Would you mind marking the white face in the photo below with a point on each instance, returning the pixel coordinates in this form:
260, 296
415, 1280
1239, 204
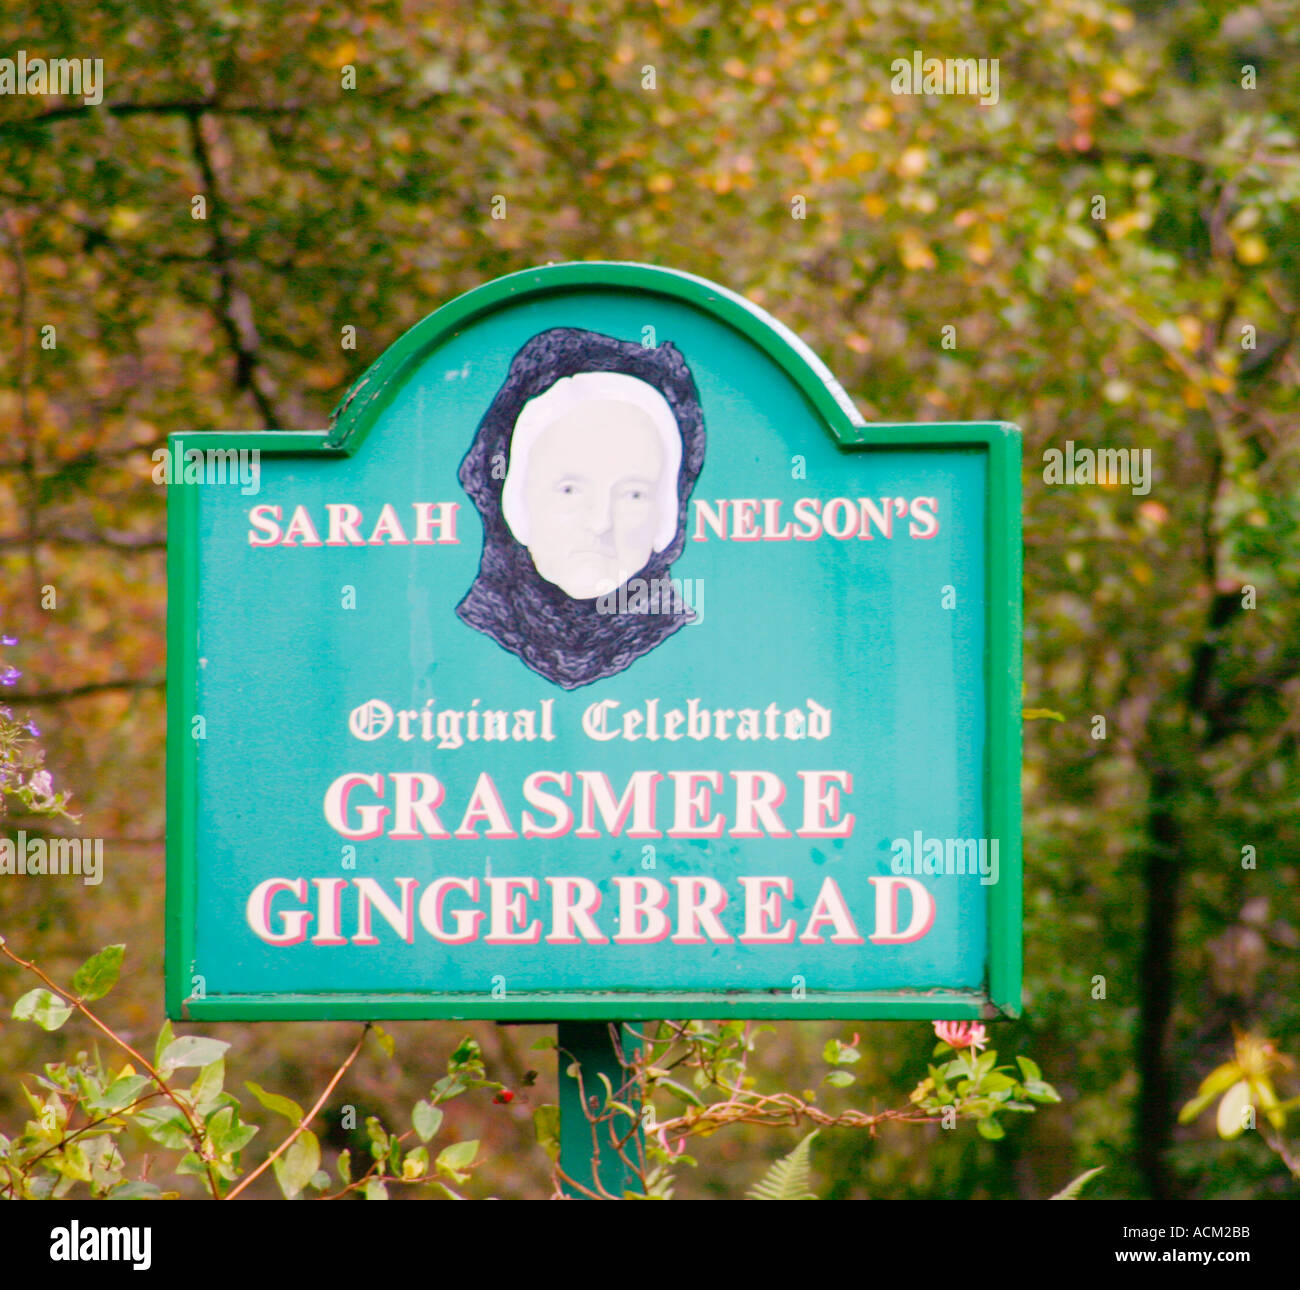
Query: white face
593, 479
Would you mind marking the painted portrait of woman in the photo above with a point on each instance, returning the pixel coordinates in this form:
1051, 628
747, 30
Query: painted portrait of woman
582, 470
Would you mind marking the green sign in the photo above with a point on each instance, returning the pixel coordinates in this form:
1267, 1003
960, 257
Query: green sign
597, 662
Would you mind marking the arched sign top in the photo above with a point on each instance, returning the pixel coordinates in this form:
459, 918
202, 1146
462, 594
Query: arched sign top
361, 407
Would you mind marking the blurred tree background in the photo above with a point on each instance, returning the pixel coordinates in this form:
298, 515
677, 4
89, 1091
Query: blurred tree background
1116, 242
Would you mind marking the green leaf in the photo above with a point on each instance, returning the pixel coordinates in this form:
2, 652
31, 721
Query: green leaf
274, 1102
134, 1190
1039, 1091
1041, 714
1072, 1189
457, 1158
166, 1126
1220, 1079
546, 1124
320, 1180
468, 1052
376, 1189
426, 1120
192, 1163
448, 1087
990, 1129
121, 1092
1195, 1107
546, 1041
840, 1079
47, 1010
165, 1037
416, 1164
344, 1167
384, 1040
207, 1087
71, 1162
789, 1178
98, 974
191, 1050
1029, 1069
296, 1167
679, 1091
227, 1132
838, 1054
996, 1082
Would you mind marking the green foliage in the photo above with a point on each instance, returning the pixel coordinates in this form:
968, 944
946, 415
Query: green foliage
790, 1177
98, 974
46, 1009
1074, 1188
89, 1120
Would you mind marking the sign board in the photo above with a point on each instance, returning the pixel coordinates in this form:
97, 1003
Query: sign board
598, 662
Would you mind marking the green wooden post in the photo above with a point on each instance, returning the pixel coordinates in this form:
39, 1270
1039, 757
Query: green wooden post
587, 1153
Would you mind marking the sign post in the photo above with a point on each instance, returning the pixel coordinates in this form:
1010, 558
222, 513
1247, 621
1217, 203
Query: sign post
596, 1155
597, 663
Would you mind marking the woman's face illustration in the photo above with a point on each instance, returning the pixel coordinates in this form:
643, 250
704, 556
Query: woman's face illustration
593, 480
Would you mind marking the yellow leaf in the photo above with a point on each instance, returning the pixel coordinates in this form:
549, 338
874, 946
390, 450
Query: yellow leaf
1252, 250
980, 248
124, 220
874, 204
914, 253
1190, 326
1123, 81
912, 162
660, 183
876, 117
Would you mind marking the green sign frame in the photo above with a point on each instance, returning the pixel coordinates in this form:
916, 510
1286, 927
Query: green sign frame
351, 423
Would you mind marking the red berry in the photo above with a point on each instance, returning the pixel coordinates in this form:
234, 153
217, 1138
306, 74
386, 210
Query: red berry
504, 1096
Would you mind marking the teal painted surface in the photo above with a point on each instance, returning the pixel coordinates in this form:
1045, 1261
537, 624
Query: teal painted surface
599, 1156
924, 701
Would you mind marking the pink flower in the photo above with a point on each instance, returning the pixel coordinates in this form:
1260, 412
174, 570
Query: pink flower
962, 1034
663, 1142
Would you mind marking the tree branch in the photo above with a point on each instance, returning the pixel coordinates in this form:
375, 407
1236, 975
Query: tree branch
81, 691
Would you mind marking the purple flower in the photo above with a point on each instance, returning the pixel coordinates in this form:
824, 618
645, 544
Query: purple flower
8, 640
8, 675
32, 727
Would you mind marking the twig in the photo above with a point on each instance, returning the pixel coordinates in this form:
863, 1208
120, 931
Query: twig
306, 1119
196, 1130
